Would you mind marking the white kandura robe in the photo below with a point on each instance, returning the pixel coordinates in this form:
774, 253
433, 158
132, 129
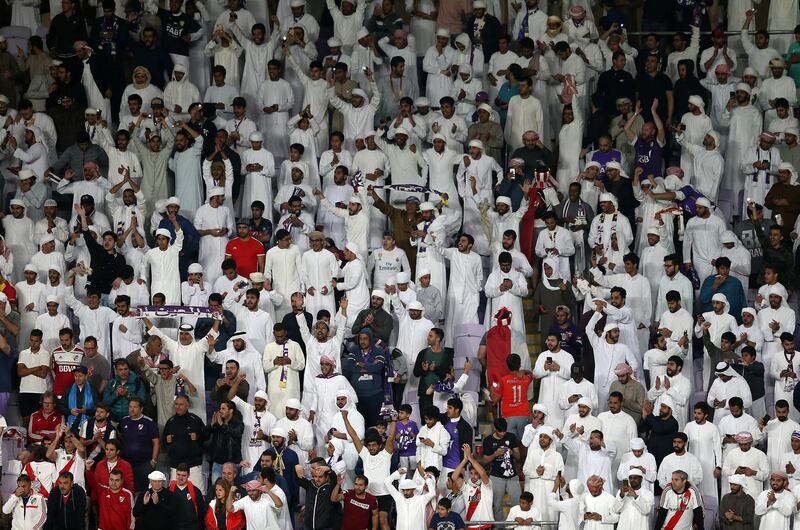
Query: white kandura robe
412, 338
560, 239
753, 458
719, 325
212, 248
687, 462
745, 127
188, 177
697, 125
570, 143
323, 404
784, 386
258, 324
333, 226
589, 423
680, 390
190, 359
256, 58
638, 302
308, 139
618, 429
181, 93
357, 120
731, 425
584, 388
551, 382
284, 267
355, 287
702, 242
705, 443
607, 356
28, 294
786, 317
707, 168
511, 298
319, 268
305, 435
651, 266
647, 461
783, 16
254, 421
332, 347
604, 225
434, 63
249, 363
779, 435
164, 271
541, 485
257, 185
463, 292
524, 114
724, 391
591, 462
274, 125
18, 239
634, 512
283, 382
757, 182
778, 515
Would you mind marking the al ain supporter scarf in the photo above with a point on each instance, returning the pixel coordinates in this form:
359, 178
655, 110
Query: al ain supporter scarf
72, 402
498, 347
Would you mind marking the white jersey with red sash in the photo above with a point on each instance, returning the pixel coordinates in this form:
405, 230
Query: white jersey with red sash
73, 463
42, 475
479, 499
680, 509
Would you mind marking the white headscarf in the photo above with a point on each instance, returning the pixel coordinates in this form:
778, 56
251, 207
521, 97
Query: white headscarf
786, 166
551, 282
719, 297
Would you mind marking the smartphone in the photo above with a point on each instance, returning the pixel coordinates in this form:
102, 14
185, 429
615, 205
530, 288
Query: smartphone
766, 418
549, 359
99, 112
732, 93
625, 483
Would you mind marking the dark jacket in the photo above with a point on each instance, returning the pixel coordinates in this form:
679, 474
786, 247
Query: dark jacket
191, 242
489, 35
320, 510
64, 32
465, 433
105, 267
381, 325
158, 516
442, 369
181, 448
661, 432
156, 60
226, 441
119, 404
367, 380
293, 329
66, 515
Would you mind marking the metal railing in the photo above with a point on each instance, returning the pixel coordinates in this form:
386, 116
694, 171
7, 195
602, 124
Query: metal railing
706, 33
508, 524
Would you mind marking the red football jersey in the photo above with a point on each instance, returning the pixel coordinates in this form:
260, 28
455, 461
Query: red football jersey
513, 391
62, 363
